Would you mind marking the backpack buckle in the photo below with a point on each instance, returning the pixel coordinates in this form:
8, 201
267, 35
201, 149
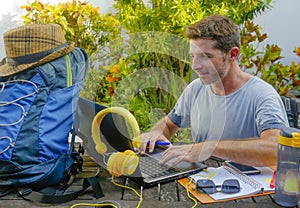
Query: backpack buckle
24, 191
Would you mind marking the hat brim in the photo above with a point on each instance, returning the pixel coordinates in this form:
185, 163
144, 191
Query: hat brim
6, 69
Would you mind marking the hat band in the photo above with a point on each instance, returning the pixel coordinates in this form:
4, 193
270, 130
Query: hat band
32, 57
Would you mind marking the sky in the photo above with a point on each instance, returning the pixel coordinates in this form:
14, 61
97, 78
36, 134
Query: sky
280, 23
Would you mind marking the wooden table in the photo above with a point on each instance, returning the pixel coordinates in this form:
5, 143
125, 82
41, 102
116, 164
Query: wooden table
150, 196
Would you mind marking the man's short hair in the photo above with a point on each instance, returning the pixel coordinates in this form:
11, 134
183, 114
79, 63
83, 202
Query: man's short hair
216, 27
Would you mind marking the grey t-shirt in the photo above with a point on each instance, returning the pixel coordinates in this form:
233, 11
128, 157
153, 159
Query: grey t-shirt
256, 106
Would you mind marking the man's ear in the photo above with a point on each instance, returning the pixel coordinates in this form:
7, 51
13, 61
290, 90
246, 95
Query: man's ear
234, 53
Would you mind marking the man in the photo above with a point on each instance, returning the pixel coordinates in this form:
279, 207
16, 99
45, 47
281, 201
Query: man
232, 115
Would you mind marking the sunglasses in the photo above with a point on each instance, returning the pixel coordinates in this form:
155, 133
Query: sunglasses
229, 186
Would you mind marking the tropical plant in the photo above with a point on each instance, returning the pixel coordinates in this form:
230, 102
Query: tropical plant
266, 63
82, 24
173, 16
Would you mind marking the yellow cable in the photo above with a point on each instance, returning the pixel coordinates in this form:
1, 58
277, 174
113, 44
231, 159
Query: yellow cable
189, 196
94, 205
211, 175
119, 185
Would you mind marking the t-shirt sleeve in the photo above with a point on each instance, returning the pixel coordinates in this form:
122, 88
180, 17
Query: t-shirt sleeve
270, 113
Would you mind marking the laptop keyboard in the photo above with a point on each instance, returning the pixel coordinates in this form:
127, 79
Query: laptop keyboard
152, 168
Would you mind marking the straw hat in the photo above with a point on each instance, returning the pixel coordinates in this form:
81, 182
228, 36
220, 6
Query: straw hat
32, 45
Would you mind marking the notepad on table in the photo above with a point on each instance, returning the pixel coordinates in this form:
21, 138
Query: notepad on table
249, 184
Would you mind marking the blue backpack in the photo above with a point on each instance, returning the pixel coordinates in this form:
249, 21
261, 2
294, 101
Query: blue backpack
37, 112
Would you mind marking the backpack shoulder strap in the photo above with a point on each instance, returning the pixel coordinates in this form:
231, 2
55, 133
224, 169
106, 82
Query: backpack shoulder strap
53, 195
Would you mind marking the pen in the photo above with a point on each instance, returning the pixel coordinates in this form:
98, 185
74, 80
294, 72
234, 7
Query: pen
160, 143
272, 183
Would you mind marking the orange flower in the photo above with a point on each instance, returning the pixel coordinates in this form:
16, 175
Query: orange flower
298, 51
110, 79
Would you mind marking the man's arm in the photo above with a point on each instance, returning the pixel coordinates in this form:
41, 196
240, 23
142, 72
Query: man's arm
163, 130
260, 151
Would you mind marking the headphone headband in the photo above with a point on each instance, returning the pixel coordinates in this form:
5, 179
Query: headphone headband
100, 146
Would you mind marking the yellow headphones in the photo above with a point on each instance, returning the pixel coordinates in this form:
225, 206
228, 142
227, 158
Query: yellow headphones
119, 163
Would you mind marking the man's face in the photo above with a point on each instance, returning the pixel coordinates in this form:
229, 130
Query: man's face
209, 63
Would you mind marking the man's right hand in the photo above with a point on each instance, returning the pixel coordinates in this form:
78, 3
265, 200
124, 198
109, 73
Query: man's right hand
152, 137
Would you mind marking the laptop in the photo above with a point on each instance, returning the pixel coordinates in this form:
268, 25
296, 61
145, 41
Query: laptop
116, 135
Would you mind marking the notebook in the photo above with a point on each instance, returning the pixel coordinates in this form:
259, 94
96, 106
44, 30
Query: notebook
250, 184
114, 132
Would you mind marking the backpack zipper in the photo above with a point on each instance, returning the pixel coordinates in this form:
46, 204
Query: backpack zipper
69, 71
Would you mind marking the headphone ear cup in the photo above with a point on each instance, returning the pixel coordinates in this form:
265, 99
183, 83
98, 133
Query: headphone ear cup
130, 162
122, 163
112, 165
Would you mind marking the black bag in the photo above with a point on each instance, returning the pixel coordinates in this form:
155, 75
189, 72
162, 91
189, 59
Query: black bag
291, 109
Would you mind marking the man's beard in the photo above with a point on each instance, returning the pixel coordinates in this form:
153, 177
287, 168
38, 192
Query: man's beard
217, 77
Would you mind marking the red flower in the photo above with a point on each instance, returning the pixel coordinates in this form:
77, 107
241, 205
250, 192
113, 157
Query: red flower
111, 91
